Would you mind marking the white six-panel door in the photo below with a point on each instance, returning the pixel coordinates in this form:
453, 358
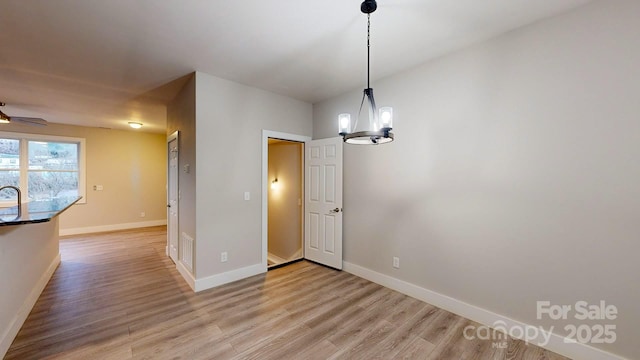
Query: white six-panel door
323, 202
172, 197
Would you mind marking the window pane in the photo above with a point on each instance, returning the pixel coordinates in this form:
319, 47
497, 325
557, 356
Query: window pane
9, 154
9, 178
52, 156
52, 184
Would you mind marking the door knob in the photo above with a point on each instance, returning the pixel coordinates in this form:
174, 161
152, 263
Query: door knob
336, 210
168, 205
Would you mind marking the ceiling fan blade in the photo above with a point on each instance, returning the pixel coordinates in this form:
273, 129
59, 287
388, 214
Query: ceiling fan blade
29, 120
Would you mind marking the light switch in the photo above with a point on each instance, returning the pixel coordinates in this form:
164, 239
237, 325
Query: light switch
247, 195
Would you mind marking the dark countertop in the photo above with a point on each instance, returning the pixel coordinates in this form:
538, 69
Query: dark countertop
36, 211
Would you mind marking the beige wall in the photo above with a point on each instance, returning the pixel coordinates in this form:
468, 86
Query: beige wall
230, 118
514, 174
285, 202
131, 167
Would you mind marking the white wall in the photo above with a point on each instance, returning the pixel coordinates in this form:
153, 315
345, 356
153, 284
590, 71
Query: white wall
285, 202
230, 118
28, 257
514, 174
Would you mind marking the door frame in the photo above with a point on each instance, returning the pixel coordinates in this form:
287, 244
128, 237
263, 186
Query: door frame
170, 138
266, 134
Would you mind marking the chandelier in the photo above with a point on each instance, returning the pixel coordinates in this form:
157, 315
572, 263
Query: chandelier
380, 121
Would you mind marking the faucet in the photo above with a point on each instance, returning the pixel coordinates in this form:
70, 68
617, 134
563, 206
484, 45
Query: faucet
17, 191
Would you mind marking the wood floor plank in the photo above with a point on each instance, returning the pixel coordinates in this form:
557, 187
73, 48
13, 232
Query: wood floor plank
401, 337
417, 349
117, 296
371, 336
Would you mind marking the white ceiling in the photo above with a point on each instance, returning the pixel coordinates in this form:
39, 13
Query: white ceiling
104, 62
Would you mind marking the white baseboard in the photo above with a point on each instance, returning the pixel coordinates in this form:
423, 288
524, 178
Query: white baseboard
187, 275
275, 259
556, 343
113, 227
229, 276
279, 260
12, 330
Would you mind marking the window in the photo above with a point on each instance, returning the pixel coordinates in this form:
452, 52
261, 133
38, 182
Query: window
9, 166
44, 167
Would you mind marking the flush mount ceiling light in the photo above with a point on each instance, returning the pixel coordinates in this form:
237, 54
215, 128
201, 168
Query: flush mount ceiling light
378, 129
135, 125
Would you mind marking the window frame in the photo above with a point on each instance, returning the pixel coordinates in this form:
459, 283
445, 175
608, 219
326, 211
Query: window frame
23, 169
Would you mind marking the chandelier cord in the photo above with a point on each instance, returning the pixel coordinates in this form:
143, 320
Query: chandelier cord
368, 47
367, 92
355, 125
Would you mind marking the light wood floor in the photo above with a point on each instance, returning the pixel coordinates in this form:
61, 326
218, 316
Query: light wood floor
117, 296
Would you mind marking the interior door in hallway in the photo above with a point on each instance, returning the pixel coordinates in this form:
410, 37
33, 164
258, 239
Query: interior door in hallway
172, 196
323, 202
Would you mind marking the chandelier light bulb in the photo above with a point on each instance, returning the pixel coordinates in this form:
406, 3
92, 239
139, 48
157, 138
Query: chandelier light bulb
386, 117
344, 121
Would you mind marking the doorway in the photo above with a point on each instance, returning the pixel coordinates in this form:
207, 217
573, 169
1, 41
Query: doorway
267, 181
321, 204
285, 194
172, 196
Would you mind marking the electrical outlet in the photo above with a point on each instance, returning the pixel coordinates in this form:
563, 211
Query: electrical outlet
396, 262
142, 214
223, 256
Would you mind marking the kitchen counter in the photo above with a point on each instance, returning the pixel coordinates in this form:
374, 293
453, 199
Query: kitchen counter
35, 211
29, 255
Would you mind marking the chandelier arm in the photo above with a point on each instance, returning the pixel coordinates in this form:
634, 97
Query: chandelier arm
372, 103
355, 125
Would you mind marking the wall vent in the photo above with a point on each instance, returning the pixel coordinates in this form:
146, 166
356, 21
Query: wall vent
186, 251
